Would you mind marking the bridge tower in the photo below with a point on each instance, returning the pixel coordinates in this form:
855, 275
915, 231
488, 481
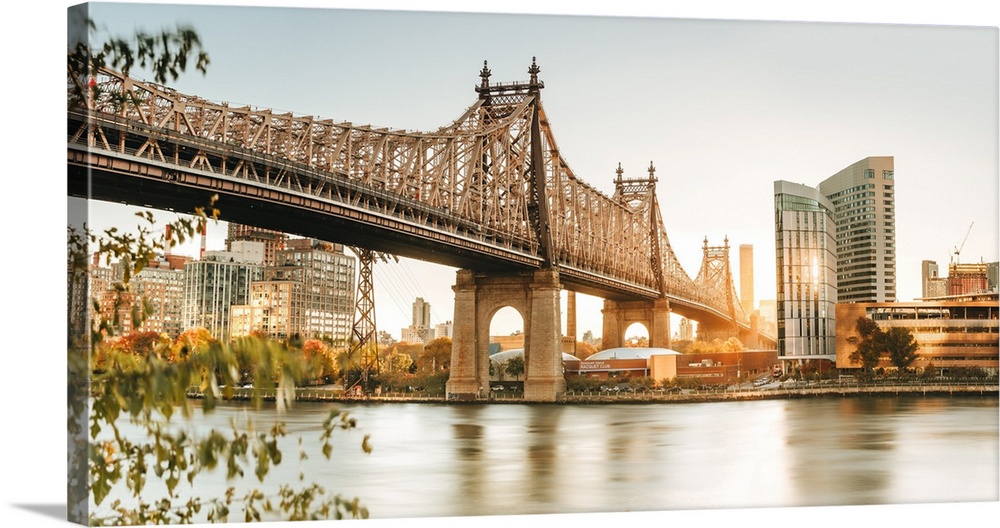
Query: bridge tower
535, 295
717, 275
639, 195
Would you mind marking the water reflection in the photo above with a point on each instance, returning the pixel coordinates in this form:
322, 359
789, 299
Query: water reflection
838, 454
468, 433
458, 460
543, 457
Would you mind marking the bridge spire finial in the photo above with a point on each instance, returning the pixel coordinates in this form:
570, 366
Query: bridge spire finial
651, 170
484, 74
533, 71
619, 171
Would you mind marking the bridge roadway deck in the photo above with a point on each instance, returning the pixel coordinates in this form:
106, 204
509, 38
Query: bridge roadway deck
112, 176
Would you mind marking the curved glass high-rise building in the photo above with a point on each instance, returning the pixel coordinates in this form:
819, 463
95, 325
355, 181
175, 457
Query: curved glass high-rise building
806, 260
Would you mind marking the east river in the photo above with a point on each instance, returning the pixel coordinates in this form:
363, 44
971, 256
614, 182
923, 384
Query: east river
440, 460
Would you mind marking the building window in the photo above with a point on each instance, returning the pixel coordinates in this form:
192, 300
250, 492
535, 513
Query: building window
869, 173
887, 174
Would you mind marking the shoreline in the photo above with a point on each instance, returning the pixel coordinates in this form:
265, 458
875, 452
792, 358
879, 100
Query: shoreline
315, 395
979, 390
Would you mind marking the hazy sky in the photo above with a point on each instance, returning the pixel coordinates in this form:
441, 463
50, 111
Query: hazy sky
721, 108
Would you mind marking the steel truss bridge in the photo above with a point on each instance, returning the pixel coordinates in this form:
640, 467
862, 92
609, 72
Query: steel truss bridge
489, 192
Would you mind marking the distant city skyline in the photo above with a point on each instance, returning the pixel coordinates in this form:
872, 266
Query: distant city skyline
721, 108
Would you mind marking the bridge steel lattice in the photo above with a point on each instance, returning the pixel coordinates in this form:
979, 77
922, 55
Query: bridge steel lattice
489, 193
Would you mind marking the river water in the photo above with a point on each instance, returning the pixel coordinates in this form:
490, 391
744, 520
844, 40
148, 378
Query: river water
439, 460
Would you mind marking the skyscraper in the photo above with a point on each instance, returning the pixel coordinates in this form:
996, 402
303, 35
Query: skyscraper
806, 260
863, 200
275, 308
327, 275
746, 278
309, 293
932, 284
421, 313
214, 284
161, 284
420, 329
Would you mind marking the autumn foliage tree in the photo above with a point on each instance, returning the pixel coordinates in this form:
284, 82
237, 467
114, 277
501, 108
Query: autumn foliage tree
318, 353
436, 356
585, 350
872, 344
189, 341
902, 347
867, 343
398, 361
142, 344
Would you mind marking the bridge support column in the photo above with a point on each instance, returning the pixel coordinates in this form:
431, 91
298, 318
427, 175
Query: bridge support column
751, 337
478, 296
543, 368
619, 315
464, 379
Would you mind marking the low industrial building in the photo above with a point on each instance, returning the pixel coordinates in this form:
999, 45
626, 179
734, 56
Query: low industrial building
725, 368
711, 368
958, 332
628, 362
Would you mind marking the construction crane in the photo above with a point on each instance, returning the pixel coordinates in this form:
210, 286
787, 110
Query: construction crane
958, 248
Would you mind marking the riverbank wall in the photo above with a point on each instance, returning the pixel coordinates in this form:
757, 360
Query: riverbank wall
777, 394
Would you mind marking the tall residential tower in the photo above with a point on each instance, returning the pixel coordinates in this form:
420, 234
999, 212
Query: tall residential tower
218, 281
863, 201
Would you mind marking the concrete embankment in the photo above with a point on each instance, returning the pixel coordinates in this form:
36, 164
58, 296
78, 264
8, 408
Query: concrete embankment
775, 394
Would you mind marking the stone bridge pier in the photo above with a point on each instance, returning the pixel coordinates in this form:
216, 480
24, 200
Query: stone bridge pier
726, 330
619, 315
478, 297
711, 330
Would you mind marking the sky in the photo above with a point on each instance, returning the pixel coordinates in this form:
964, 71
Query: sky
721, 108
721, 113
